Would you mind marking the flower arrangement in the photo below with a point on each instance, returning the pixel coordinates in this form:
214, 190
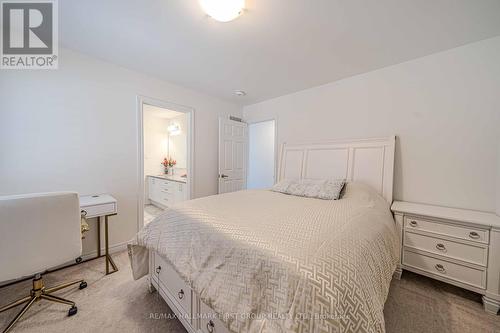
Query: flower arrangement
168, 162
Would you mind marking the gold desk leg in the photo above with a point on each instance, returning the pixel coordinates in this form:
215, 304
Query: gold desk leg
108, 258
98, 236
107, 243
112, 262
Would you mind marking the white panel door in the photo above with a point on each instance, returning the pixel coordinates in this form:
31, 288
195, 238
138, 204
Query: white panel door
233, 141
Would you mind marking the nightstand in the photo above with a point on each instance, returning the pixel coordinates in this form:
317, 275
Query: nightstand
457, 246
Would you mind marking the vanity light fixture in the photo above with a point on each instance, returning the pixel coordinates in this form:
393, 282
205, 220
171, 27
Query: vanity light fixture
223, 10
174, 129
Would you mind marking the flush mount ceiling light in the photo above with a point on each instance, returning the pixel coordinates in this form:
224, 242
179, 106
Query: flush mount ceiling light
239, 93
223, 10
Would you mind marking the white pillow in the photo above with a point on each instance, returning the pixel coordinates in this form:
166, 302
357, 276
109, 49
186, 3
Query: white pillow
327, 189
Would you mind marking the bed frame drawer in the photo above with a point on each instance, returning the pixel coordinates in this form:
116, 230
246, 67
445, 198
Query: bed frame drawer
462, 232
209, 320
472, 252
472, 276
178, 290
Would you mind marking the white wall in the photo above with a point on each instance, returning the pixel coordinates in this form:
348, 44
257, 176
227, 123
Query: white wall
76, 129
177, 144
261, 157
498, 172
155, 142
444, 109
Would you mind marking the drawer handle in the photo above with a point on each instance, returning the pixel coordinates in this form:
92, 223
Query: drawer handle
440, 267
83, 213
181, 294
474, 235
210, 326
440, 247
158, 269
413, 223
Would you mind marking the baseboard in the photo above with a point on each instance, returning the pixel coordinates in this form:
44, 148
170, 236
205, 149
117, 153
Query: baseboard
112, 249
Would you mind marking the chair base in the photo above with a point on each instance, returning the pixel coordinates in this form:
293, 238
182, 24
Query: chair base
39, 292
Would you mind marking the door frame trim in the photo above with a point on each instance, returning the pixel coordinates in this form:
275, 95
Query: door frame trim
190, 112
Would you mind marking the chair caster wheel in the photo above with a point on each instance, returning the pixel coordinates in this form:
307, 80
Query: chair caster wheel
83, 285
72, 311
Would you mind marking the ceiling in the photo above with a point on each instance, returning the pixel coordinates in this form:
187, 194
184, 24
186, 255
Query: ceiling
277, 46
160, 112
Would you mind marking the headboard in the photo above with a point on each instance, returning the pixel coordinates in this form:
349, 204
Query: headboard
370, 161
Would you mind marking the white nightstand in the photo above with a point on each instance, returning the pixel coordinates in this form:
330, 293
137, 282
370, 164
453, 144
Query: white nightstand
457, 246
98, 206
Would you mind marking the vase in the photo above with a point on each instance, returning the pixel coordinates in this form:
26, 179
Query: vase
166, 170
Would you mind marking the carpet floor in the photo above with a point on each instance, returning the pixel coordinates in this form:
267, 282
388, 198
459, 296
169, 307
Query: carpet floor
117, 303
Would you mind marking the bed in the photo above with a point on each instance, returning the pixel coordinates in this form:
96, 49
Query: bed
262, 261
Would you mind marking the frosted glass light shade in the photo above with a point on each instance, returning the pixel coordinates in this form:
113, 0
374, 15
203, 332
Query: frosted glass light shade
223, 10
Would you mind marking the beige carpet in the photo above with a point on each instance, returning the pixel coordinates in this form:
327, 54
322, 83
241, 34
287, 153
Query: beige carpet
116, 303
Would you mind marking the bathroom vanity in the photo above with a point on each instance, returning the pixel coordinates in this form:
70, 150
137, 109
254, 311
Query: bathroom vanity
166, 190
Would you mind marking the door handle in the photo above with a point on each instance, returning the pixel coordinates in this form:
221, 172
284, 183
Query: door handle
223, 176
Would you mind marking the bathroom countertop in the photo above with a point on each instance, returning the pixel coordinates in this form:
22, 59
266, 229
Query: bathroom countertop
175, 178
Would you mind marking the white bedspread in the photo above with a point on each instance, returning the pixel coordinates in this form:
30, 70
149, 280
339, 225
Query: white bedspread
290, 264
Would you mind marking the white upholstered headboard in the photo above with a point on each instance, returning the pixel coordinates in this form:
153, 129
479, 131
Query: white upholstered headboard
370, 161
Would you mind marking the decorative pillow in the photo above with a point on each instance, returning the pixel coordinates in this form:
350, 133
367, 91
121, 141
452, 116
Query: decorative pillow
282, 186
297, 188
332, 189
321, 189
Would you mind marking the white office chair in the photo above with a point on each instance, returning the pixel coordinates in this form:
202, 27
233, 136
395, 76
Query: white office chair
38, 232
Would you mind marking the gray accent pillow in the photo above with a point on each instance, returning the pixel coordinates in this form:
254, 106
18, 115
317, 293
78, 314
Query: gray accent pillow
282, 186
327, 189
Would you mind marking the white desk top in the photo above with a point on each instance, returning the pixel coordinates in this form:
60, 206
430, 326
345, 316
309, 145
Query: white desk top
454, 214
91, 200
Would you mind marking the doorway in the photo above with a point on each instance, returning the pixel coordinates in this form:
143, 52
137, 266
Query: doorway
165, 157
261, 154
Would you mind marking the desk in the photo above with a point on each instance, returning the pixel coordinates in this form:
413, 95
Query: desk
102, 205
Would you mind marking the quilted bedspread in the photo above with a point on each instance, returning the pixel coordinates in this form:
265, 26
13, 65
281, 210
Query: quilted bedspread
271, 262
